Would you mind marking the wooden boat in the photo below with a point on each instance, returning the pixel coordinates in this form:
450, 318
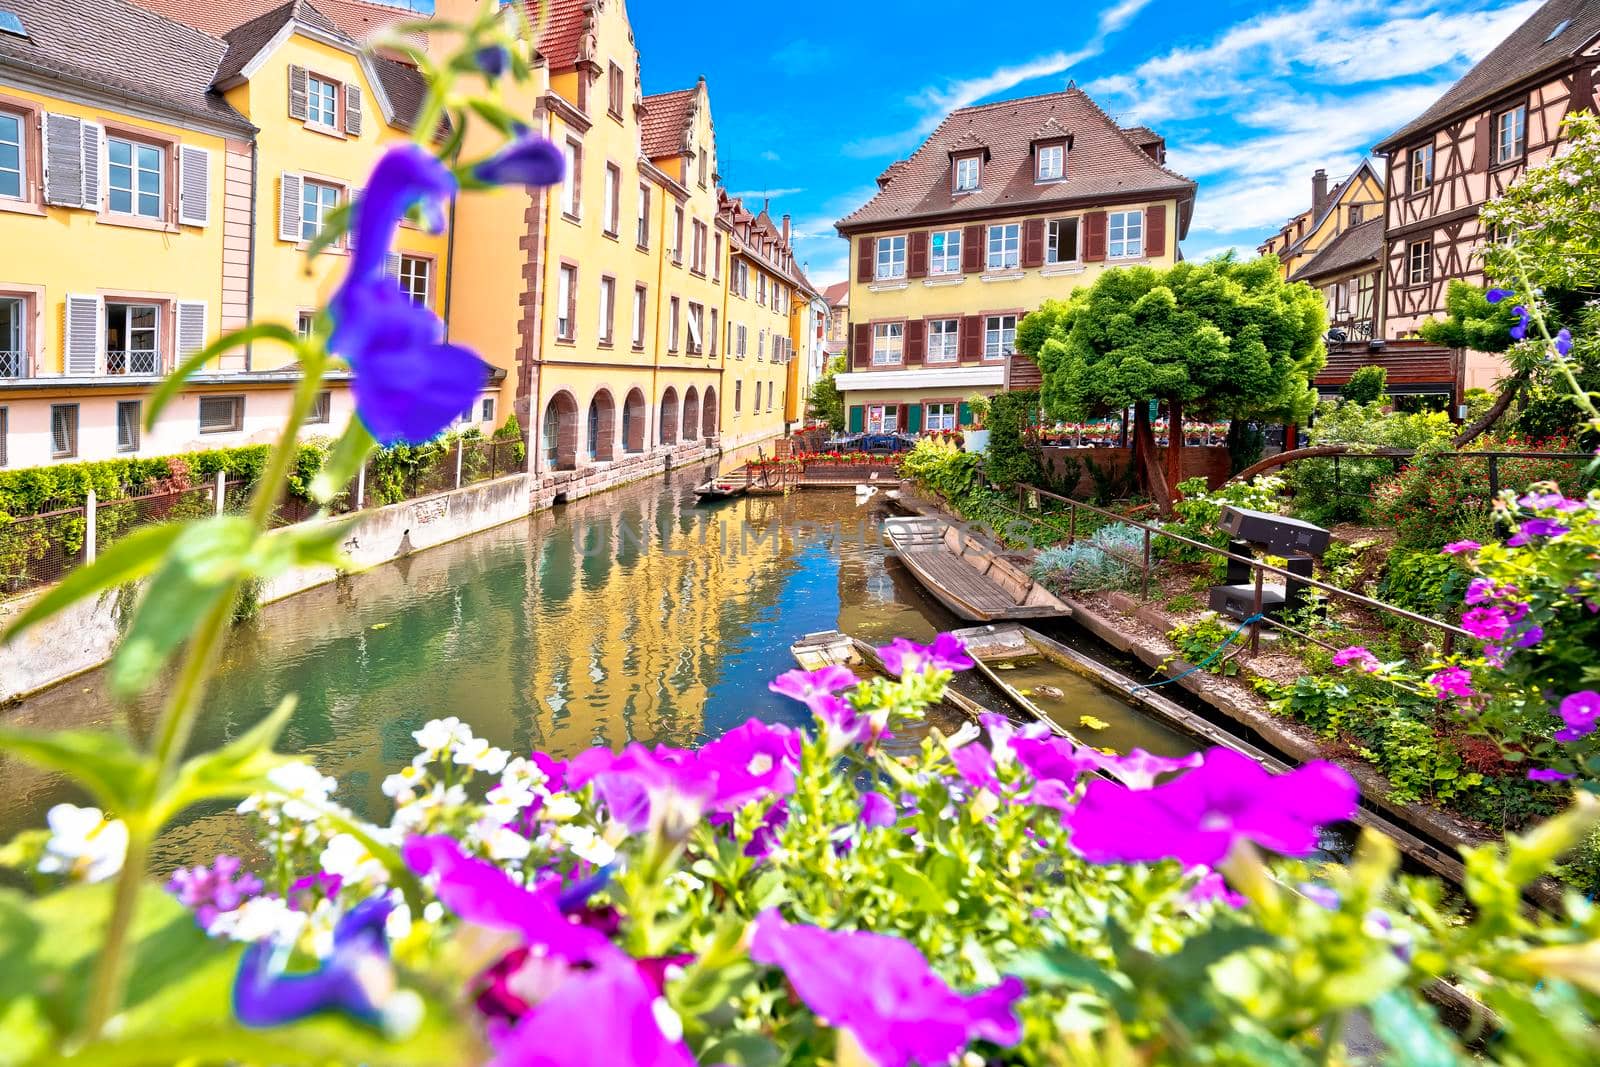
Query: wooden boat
722, 489
966, 575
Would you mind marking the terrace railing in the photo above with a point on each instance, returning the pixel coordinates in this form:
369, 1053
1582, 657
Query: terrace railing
133, 361
13, 363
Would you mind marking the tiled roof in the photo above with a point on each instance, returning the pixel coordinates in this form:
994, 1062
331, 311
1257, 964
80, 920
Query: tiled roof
1362, 243
1141, 135
1102, 162
356, 18
124, 49
837, 294
666, 122
1529, 50
559, 25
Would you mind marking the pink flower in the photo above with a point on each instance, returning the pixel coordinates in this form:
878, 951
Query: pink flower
1456, 548
1452, 682
1486, 624
1580, 712
1545, 774
1358, 657
947, 653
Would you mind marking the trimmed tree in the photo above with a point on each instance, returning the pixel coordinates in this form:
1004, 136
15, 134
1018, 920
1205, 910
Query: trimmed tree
826, 404
1216, 340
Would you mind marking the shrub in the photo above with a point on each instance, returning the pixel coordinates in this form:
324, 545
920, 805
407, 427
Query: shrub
1109, 558
1366, 386
1013, 454
1317, 498
1197, 513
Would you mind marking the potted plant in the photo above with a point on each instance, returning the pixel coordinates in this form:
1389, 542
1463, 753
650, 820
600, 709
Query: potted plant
976, 436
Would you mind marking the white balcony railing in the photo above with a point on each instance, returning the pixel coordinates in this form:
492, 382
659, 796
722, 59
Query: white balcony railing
13, 363
132, 361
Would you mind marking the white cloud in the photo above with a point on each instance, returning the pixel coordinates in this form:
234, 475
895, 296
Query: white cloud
763, 194
937, 101
770, 156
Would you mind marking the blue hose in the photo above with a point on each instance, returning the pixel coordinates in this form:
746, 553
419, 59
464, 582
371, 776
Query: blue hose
1205, 662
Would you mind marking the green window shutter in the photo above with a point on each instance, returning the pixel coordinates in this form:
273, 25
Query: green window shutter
914, 418
964, 414
858, 418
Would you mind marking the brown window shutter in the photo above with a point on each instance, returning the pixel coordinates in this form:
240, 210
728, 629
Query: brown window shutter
297, 92
864, 253
1094, 237
1482, 146
1033, 243
918, 266
972, 339
1155, 230
972, 249
916, 341
861, 350
904, 418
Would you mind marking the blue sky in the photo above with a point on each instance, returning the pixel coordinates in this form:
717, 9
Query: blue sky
812, 101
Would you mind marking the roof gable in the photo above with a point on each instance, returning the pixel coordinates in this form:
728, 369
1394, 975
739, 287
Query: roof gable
667, 122
1355, 247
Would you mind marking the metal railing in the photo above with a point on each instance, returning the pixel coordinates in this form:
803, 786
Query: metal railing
1397, 456
133, 361
1449, 633
13, 363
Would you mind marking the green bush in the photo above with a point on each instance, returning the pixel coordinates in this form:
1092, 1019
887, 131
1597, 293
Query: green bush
1365, 426
1366, 386
1197, 513
1013, 455
1107, 559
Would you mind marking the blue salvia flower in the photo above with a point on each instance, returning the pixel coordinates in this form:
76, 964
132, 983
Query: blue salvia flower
1494, 296
1520, 330
529, 160
357, 978
1564, 343
492, 59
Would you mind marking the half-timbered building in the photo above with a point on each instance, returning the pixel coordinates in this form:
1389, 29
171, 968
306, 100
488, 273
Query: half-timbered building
1501, 118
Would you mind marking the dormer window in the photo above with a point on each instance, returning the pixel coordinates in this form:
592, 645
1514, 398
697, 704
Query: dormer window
1052, 163
966, 176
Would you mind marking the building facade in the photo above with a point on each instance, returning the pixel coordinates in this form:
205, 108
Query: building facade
1335, 246
1502, 117
1004, 206
159, 210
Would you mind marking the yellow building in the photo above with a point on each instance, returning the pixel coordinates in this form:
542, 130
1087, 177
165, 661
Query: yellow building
1336, 246
163, 182
1005, 205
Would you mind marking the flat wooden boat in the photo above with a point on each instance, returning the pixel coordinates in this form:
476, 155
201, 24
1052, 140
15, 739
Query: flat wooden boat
722, 489
966, 575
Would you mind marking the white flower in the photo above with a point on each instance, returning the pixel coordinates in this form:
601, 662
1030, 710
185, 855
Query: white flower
301, 790
398, 924
439, 735
561, 807
685, 880
402, 785
522, 773
501, 842
505, 802
481, 756
588, 845
348, 858
260, 919
84, 844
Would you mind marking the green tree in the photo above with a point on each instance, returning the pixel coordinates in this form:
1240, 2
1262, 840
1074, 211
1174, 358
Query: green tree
1470, 321
1366, 386
1216, 340
826, 404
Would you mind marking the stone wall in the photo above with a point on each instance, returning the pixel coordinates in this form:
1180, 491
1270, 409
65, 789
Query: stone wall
1208, 461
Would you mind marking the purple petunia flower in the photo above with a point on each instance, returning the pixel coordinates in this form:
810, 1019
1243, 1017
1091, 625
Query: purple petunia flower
661, 788
1486, 624
765, 838
1530, 637
1054, 759
529, 160
356, 978
1579, 711
877, 809
1495, 296
750, 762
1542, 500
210, 891
1213, 887
1452, 682
947, 653
1197, 818
1457, 548
882, 990
1564, 342
1140, 769
1546, 774
975, 764
1520, 330
808, 686
1356, 656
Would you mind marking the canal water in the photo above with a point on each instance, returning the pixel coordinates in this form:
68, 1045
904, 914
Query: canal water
636, 615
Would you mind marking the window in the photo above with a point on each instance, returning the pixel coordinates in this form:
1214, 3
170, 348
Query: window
613, 199
1511, 134
63, 430
697, 322
486, 409
13, 148
608, 306
1005, 246
761, 346
1421, 168
966, 174
677, 235
13, 338
944, 340
322, 102
888, 341
944, 252
755, 409
614, 99
4, 431
305, 324
133, 170
1052, 162
891, 258
772, 389
127, 426
321, 408
761, 288
317, 202
643, 239
999, 336
1125, 233
638, 316
716, 259
672, 325
221, 414
414, 279
738, 395
705, 162
1419, 262
883, 418
697, 261
1356, 212
1061, 241
941, 416
570, 184
713, 334
566, 303
133, 339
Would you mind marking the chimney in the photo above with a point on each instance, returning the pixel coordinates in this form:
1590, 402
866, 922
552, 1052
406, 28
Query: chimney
1319, 191
786, 229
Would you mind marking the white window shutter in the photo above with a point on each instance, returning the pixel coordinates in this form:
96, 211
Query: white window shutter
86, 323
352, 109
94, 141
63, 160
194, 186
191, 327
391, 265
297, 93
289, 207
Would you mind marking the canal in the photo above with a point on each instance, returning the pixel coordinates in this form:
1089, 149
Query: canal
631, 616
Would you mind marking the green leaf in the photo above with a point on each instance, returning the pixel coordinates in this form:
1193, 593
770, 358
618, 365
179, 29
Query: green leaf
237, 769
334, 226
128, 559
1209, 947
174, 382
351, 450
116, 774
1063, 967
199, 569
1414, 1038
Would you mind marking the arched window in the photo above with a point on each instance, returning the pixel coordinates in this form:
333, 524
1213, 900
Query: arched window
558, 436
669, 416
633, 422
708, 413
601, 436
691, 414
